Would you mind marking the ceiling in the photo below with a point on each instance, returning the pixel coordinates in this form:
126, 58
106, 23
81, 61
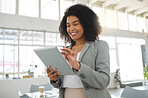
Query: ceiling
136, 7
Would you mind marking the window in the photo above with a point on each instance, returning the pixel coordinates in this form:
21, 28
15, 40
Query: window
141, 24
50, 39
100, 14
25, 37
122, 21
132, 23
131, 67
50, 9
7, 6
63, 6
1, 61
17, 56
38, 38
9, 51
1, 52
28, 59
112, 50
29, 8
60, 42
111, 20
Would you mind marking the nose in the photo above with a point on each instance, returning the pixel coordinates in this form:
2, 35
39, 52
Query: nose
72, 28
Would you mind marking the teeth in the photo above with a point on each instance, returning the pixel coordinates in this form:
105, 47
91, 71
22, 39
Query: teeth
73, 33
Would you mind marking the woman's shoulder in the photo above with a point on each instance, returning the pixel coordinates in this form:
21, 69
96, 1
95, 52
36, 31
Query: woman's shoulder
100, 42
98, 45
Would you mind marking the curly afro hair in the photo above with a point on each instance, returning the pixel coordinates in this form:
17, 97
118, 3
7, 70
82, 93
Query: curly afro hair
88, 19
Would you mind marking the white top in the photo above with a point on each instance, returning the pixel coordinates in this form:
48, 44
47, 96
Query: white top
72, 81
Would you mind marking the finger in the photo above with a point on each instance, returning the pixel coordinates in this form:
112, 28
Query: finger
52, 71
63, 53
55, 76
48, 69
66, 50
71, 53
66, 58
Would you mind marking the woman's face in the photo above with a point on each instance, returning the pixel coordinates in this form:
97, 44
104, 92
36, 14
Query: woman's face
75, 28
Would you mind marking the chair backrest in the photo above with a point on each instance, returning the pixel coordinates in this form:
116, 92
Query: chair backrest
130, 92
22, 95
48, 87
35, 88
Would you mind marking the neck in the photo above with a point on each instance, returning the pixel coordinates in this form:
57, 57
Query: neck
78, 43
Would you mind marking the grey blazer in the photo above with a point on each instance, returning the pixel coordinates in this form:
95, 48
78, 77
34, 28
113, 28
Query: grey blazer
94, 72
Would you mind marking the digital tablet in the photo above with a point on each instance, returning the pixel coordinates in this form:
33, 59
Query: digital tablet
52, 56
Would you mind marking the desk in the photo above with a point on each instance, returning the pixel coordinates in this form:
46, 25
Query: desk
51, 94
47, 94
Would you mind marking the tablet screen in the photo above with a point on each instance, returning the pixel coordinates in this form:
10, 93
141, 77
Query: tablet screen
52, 56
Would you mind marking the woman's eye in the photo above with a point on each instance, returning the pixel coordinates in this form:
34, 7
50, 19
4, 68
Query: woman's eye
75, 24
68, 25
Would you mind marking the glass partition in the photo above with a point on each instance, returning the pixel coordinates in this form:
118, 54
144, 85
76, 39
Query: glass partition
17, 57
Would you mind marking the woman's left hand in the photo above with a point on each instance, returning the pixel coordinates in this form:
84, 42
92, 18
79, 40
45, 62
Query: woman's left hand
70, 56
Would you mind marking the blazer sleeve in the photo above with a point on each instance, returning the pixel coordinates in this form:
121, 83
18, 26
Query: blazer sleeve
99, 77
56, 84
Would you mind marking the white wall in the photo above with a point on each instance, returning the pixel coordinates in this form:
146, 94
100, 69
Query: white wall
27, 23
10, 88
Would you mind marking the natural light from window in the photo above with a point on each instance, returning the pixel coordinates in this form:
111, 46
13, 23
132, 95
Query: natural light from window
64, 4
100, 14
122, 21
132, 23
49, 9
111, 21
131, 65
29, 8
8, 6
141, 24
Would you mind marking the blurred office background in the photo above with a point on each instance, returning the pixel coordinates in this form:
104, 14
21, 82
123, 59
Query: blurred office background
29, 24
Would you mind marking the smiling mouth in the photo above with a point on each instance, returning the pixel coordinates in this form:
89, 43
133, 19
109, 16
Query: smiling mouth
73, 33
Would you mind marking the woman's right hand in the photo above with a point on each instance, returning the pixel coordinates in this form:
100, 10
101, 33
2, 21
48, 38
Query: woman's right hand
52, 74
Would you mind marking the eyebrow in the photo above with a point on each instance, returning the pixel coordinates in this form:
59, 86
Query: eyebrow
74, 21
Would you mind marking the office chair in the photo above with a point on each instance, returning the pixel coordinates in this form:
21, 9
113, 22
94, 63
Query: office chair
22, 95
35, 88
130, 92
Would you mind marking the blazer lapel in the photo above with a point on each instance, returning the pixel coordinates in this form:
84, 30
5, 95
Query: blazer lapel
84, 50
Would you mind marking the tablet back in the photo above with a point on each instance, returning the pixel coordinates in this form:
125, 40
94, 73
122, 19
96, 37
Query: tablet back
52, 56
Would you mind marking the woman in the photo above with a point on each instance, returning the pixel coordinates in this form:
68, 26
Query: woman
88, 56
